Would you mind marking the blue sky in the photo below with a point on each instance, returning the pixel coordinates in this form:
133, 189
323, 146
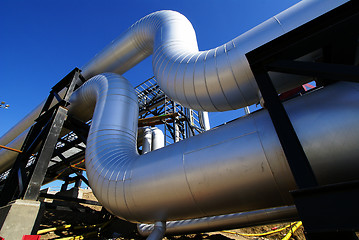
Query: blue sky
41, 41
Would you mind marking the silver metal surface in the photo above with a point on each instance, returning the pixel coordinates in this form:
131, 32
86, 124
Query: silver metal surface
215, 80
158, 231
204, 119
158, 139
147, 140
152, 139
238, 167
222, 222
219, 79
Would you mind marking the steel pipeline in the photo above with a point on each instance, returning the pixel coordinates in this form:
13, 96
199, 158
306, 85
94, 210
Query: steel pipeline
238, 167
230, 221
152, 139
219, 79
204, 170
214, 80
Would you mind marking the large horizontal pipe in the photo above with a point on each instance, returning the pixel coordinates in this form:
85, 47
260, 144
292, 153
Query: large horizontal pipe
215, 80
238, 167
222, 222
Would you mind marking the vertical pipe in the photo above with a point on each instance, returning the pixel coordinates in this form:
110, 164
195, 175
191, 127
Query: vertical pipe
158, 139
147, 140
158, 231
175, 124
204, 120
189, 116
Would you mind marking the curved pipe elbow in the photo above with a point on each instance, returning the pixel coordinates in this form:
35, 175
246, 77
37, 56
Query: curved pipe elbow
111, 144
219, 79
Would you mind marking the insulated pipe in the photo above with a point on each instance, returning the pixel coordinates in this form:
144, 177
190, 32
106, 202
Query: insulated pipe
215, 80
204, 120
147, 140
238, 167
158, 139
219, 79
222, 222
152, 139
158, 231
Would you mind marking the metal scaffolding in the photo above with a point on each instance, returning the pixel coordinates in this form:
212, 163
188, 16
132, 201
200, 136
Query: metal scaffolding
155, 108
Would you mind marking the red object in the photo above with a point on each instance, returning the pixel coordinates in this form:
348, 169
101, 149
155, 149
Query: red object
308, 86
274, 228
1, 238
31, 237
291, 93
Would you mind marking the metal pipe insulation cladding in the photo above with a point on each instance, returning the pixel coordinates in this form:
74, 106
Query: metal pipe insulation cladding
219, 79
215, 80
152, 139
238, 167
229, 221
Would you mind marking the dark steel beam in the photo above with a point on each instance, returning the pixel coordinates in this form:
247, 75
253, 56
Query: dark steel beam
16, 180
45, 155
337, 72
333, 208
80, 128
292, 148
325, 30
82, 177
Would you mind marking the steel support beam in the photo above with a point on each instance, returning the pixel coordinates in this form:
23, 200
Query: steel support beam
45, 155
336, 72
292, 148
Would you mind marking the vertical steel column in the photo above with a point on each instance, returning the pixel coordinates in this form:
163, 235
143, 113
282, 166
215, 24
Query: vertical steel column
293, 150
45, 154
37, 177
